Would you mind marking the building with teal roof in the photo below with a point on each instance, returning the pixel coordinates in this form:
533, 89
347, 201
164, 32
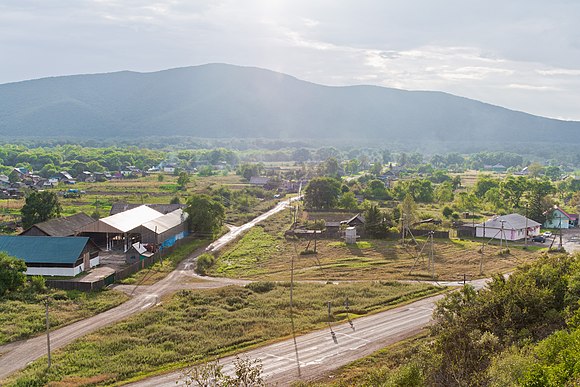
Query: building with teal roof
52, 256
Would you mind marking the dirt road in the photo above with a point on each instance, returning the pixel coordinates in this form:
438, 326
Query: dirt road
15, 356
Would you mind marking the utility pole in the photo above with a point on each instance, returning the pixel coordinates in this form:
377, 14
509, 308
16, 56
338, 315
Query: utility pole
292, 312
526, 235
47, 331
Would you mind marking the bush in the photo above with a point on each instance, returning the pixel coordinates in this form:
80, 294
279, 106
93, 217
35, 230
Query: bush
37, 284
261, 286
447, 211
204, 262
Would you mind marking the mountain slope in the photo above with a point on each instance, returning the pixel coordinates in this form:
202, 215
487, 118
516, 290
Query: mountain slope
219, 100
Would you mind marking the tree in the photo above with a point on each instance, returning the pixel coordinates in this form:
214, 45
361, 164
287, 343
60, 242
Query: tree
206, 216
182, 180
247, 373
408, 211
39, 207
321, 193
348, 201
12, 274
376, 222
444, 193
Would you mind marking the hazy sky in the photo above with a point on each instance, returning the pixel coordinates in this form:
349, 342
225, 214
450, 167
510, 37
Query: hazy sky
521, 54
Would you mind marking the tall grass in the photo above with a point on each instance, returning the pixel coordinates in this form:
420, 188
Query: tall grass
23, 317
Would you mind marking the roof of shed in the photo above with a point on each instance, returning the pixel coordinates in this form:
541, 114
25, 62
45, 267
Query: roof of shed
67, 226
166, 222
124, 221
43, 249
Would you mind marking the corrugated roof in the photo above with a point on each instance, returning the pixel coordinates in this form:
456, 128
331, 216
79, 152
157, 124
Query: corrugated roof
43, 249
124, 221
510, 222
67, 226
163, 208
166, 222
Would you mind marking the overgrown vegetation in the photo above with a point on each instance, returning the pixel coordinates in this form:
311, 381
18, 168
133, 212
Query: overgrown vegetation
225, 320
22, 314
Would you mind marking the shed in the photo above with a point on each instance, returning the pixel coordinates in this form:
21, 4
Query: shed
122, 229
137, 252
165, 230
50, 256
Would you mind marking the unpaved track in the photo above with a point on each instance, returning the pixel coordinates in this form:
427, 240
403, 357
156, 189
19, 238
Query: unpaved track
15, 356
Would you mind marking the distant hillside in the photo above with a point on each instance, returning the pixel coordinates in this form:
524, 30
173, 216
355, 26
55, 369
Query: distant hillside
218, 100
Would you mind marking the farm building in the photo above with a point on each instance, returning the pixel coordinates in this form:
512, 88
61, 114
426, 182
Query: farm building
67, 226
511, 227
165, 230
137, 252
140, 224
558, 218
52, 256
121, 230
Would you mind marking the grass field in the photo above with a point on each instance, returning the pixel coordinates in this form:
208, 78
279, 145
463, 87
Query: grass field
24, 317
197, 325
264, 253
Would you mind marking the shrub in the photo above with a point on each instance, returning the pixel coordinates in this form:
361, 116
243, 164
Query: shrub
261, 286
204, 262
37, 284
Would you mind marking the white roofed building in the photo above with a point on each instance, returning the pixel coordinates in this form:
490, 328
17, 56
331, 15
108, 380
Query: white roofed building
120, 230
141, 224
166, 229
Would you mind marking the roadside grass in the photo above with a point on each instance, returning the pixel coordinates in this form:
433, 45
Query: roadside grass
159, 270
377, 369
246, 255
23, 316
192, 326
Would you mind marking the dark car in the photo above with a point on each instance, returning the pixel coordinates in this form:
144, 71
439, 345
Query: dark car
539, 238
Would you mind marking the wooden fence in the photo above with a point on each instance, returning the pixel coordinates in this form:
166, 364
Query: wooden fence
119, 274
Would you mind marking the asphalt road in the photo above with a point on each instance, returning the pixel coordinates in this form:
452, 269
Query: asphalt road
319, 353
17, 355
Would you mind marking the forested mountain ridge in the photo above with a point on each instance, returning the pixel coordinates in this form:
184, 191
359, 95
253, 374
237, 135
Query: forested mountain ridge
219, 100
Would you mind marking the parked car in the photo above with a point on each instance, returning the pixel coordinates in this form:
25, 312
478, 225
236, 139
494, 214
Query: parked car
547, 234
539, 238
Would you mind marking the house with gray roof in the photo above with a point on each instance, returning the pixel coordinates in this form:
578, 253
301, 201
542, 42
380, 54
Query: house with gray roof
510, 227
66, 226
52, 256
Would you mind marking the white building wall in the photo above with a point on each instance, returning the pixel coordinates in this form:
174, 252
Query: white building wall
510, 235
95, 261
55, 271
61, 271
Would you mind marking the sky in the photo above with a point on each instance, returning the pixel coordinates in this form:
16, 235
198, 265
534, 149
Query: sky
519, 54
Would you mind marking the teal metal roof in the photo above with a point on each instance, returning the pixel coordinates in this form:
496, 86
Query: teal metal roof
43, 249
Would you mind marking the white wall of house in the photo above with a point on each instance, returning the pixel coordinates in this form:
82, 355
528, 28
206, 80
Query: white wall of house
61, 271
55, 271
95, 261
